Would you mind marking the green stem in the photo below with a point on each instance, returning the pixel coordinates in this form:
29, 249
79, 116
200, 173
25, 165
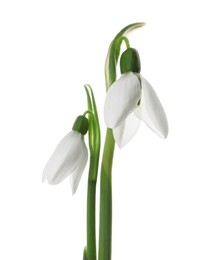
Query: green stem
125, 39
105, 228
91, 199
105, 235
94, 147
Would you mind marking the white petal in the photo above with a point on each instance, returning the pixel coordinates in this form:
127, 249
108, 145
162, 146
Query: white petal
121, 99
65, 158
151, 111
77, 173
125, 132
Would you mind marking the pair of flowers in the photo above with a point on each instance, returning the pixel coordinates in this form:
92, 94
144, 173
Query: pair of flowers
129, 100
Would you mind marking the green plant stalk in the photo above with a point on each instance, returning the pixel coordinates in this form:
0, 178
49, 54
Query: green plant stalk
105, 225
105, 238
90, 252
91, 215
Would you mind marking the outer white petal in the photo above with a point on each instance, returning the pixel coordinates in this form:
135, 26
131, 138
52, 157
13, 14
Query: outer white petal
65, 159
125, 132
77, 173
151, 111
121, 99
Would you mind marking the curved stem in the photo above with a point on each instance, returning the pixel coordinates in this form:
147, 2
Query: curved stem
125, 39
87, 112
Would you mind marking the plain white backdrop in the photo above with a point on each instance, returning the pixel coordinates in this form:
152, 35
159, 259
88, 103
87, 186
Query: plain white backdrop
48, 50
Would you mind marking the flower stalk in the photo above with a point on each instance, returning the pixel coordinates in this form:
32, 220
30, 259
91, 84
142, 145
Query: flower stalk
105, 232
94, 147
105, 225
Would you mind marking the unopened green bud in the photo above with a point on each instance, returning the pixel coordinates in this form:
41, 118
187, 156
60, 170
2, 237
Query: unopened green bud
130, 61
81, 125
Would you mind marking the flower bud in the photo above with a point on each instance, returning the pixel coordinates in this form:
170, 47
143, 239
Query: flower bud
130, 61
81, 125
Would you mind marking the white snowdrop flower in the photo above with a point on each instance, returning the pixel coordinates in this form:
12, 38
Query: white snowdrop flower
70, 156
131, 99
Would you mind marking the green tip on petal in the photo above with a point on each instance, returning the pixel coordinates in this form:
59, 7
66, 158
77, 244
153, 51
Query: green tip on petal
130, 61
81, 125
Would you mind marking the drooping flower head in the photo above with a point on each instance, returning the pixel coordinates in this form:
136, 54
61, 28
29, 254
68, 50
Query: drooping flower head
70, 156
131, 99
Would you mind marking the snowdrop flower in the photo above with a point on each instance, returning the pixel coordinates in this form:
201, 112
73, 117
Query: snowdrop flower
70, 156
131, 99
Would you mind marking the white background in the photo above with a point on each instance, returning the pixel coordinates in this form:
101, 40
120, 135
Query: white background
48, 50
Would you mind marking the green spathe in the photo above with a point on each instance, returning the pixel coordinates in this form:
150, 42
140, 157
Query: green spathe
130, 61
81, 125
